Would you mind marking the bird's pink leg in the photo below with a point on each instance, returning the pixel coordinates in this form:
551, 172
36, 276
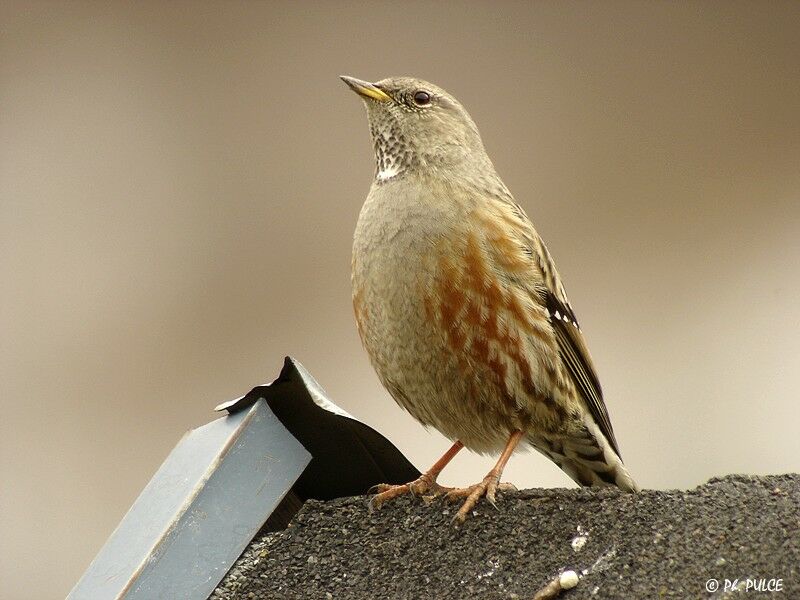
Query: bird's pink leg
490, 484
425, 485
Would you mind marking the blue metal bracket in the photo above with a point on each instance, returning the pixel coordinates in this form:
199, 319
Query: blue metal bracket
199, 511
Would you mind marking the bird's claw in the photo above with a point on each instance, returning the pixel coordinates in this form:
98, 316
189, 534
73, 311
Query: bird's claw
487, 488
386, 492
379, 488
424, 486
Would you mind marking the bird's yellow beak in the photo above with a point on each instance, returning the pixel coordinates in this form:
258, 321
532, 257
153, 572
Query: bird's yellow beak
366, 89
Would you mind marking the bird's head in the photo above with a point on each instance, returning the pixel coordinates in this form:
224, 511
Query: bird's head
416, 125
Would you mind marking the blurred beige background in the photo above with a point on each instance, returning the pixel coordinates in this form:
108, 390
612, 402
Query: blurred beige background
179, 184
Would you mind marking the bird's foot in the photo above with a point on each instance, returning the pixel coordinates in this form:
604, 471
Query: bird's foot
424, 486
488, 488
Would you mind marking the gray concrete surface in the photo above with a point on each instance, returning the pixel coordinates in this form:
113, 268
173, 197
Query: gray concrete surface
655, 544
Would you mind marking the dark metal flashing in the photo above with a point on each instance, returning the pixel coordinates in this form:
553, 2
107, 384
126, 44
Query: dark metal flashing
349, 457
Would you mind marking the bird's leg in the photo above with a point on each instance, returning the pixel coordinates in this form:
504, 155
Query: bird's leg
424, 485
490, 484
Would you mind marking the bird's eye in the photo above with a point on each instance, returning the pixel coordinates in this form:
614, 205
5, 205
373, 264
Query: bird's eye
421, 98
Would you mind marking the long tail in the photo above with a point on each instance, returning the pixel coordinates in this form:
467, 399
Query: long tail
587, 458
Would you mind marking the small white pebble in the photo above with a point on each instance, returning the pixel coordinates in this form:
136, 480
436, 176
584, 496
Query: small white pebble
579, 542
568, 580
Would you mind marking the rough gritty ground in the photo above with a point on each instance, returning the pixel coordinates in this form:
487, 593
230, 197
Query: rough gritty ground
655, 544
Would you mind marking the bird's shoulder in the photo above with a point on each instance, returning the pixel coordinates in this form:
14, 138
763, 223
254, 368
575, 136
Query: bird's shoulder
510, 234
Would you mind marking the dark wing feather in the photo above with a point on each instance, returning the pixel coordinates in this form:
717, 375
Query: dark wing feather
576, 357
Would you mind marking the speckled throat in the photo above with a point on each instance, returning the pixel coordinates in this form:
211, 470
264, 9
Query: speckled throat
393, 152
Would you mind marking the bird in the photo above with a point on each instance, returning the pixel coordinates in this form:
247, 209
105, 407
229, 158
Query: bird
460, 307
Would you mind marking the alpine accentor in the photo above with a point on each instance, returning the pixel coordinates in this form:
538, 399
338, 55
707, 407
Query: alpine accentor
460, 306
